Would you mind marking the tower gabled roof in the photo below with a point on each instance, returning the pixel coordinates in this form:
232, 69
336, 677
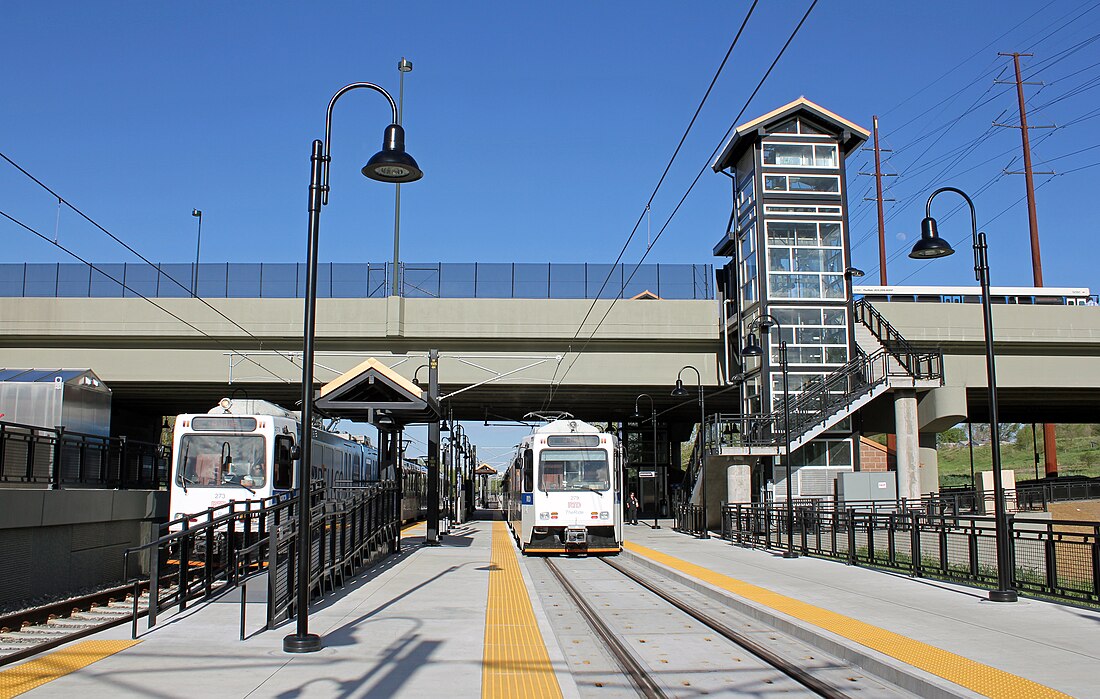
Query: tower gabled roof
851, 135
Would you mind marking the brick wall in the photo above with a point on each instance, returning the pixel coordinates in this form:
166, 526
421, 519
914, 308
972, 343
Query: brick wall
874, 456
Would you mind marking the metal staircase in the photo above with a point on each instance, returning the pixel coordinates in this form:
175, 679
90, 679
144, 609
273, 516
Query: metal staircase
884, 360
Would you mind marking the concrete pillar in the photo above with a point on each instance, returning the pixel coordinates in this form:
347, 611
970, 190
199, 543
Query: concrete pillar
908, 450
738, 483
929, 464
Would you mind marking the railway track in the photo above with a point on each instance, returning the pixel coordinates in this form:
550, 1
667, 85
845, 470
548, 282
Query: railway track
32, 631
637, 618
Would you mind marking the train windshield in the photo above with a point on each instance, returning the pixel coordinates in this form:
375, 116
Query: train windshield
218, 460
574, 469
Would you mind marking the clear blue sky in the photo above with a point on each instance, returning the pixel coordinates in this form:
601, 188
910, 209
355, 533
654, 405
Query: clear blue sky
542, 129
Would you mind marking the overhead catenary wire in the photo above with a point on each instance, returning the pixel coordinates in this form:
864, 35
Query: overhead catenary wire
137, 254
646, 210
687, 193
135, 292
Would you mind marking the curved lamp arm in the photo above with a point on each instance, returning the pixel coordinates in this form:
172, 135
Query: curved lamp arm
328, 125
969, 202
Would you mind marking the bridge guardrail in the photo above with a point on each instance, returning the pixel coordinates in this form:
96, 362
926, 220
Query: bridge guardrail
358, 280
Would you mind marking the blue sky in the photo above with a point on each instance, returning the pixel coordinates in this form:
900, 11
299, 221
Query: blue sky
542, 128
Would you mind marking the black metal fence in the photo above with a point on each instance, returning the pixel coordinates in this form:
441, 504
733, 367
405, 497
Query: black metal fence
1037, 495
45, 457
208, 553
1059, 559
689, 519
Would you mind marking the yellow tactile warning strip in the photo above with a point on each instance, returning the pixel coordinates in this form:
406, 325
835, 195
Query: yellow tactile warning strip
34, 673
407, 527
975, 676
516, 663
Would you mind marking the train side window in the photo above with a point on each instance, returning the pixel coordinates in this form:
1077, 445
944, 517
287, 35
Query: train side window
284, 464
528, 471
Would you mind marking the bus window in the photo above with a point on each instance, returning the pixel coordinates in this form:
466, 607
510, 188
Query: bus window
284, 463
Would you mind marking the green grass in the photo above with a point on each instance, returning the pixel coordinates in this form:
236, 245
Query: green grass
1077, 456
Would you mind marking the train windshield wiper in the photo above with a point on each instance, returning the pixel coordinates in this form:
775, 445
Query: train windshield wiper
243, 486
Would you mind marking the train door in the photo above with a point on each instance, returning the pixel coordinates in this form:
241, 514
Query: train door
527, 494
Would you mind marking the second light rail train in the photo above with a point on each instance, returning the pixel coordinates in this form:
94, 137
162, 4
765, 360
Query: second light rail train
245, 451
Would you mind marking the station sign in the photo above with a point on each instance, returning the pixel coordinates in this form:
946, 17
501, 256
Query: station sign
647, 474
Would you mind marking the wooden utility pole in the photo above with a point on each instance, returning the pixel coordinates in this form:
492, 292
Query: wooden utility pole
1050, 441
878, 198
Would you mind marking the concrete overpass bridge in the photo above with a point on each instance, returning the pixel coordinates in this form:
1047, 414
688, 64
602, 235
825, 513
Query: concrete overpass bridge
502, 357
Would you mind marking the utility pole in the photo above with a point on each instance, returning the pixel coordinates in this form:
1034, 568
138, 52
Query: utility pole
1050, 441
879, 201
878, 197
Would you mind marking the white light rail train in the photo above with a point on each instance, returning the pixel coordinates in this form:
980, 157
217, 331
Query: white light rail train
563, 493
245, 450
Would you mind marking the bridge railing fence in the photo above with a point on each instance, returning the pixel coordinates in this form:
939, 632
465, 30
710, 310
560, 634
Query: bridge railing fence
358, 280
53, 457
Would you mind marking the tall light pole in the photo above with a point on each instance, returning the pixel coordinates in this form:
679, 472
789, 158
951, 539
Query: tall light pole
931, 246
391, 164
653, 419
753, 349
198, 242
679, 392
403, 66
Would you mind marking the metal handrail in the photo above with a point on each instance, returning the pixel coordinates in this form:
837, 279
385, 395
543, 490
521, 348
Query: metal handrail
926, 365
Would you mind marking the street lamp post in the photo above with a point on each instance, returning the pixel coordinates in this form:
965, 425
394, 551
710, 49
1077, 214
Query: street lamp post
391, 164
931, 246
198, 243
754, 349
403, 66
653, 419
679, 391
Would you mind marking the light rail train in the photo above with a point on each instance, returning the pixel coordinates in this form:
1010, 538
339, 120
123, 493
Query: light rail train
563, 490
245, 450
1024, 295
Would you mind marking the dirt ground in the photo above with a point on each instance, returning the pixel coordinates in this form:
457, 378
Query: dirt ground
1081, 511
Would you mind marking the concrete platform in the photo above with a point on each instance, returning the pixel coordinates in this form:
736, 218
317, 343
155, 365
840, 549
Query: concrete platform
1047, 643
416, 626
412, 627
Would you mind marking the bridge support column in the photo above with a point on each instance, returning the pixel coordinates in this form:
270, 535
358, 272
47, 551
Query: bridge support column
929, 463
908, 449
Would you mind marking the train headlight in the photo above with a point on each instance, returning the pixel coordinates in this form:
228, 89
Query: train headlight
544, 515
605, 515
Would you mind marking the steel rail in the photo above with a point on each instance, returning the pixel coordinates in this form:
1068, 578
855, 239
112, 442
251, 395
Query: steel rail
787, 667
42, 615
630, 666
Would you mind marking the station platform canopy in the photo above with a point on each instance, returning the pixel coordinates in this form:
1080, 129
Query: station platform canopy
372, 392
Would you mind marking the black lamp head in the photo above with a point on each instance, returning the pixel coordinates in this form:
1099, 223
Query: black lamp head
679, 391
930, 245
752, 347
392, 163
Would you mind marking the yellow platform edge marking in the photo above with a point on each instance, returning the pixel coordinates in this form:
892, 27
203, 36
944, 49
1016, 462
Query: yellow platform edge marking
516, 663
35, 673
971, 674
407, 527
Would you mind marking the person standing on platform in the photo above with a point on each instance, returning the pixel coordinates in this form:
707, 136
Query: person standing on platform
632, 509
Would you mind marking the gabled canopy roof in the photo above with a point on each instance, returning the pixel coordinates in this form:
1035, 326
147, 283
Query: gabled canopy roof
851, 136
372, 390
